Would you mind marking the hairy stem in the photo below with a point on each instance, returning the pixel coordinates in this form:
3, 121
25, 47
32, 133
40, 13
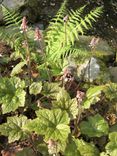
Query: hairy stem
45, 58
28, 57
76, 121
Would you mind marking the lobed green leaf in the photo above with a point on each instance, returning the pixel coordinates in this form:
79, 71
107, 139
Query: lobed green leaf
53, 124
96, 126
13, 128
12, 94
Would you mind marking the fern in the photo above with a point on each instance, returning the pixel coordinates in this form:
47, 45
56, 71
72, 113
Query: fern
11, 34
76, 24
55, 24
11, 18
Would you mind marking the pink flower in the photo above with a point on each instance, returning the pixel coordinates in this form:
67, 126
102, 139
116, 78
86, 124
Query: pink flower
80, 96
38, 35
24, 24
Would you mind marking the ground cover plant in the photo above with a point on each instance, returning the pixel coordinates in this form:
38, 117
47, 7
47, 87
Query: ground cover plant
46, 108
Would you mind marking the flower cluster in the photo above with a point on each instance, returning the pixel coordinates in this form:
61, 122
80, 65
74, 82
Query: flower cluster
80, 96
24, 26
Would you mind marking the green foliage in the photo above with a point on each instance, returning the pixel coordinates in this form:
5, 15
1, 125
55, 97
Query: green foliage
92, 96
26, 152
50, 89
79, 147
53, 124
111, 147
103, 154
86, 149
72, 148
12, 36
18, 68
13, 128
96, 126
12, 94
113, 128
35, 88
111, 91
54, 120
11, 18
64, 102
57, 42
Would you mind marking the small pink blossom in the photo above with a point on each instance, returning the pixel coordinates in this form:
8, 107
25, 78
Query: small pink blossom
80, 96
24, 24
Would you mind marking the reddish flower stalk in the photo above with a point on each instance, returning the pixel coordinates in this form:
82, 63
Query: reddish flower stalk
24, 24
39, 39
26, 45
79, 96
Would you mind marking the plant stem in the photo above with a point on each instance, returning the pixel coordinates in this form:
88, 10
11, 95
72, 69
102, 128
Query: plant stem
42, 51
33, 147
65, 24
89, 68
77, 118
28, 57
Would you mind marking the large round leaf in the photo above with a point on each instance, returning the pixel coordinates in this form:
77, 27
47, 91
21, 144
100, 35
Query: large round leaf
51, 123
12, 94
96, 126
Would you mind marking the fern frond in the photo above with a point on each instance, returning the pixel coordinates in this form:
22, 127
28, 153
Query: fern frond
55, 25
79, 52
11, 34
81, 23
11, 18
76, 24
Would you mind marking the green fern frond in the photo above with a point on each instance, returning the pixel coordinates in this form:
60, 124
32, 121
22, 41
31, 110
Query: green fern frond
55, 25
55, 36
11, 33
11, 18
81, 23
79, 52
